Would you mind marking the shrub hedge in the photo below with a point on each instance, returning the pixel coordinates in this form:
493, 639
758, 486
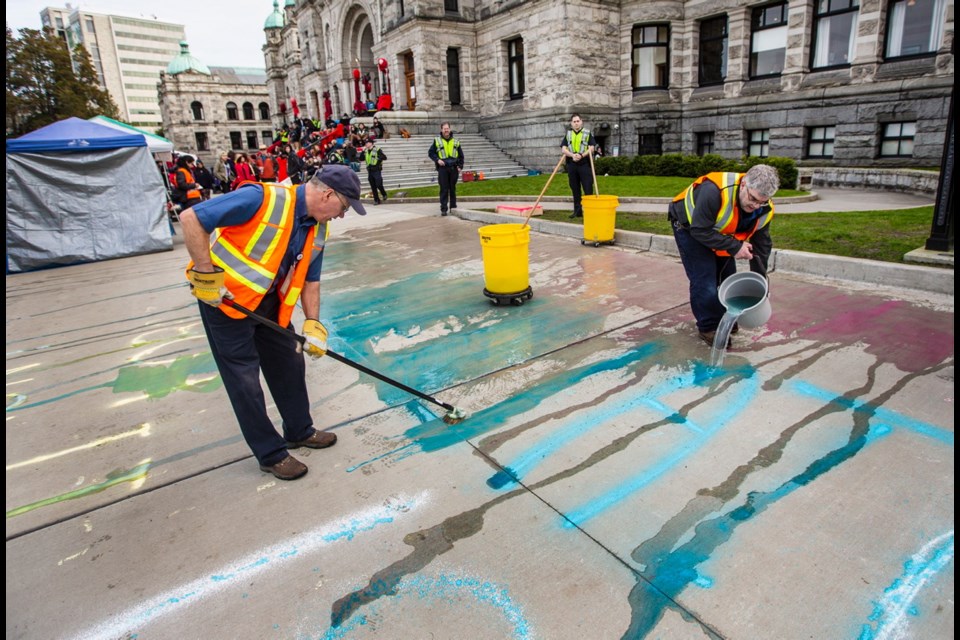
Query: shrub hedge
675, 164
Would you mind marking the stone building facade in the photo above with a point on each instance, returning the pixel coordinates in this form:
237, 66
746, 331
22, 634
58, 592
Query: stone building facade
827, 82
208, 111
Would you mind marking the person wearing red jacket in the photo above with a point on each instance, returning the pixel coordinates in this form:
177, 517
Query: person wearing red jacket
245, 171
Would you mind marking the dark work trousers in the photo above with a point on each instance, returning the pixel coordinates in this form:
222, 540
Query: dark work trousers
242, 349
579, 174
705, 270
375, 178
447, 177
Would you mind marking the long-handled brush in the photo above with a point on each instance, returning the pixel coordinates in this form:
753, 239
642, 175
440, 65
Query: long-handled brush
545, 187
453, 415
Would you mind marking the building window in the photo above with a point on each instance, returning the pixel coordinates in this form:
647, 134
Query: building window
453, 75
834, 31
403, 11
820, 141
768, 44
247, 111
651, 49
236, 140
914, 27
202, 142
713, 51
267, 137
264, 111
197, 109
232, 111
252, 140
704, 143
451, 6
651, 144
896, 140
515, 64
759, 143
90, 28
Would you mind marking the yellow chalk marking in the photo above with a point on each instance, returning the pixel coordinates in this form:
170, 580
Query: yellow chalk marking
143, 431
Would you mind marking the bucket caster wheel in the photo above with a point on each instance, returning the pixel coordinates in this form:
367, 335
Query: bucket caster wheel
583, 243
495, 302
596, 244
517, 302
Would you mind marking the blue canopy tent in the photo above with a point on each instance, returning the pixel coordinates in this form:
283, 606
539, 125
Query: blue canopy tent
78, 191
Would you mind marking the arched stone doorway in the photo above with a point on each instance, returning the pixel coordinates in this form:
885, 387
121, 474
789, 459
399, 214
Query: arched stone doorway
357, 53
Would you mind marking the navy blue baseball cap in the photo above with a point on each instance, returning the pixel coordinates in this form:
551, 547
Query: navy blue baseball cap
344, 181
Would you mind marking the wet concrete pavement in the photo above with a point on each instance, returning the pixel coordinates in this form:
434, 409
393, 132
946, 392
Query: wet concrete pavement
608, 482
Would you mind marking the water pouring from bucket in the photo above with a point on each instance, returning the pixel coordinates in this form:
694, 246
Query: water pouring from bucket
745, 296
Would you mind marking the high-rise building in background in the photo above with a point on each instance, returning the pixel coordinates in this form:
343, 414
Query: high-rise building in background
128, 55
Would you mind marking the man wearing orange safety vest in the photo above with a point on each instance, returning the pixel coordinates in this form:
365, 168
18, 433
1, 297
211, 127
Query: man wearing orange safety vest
186, 189
721, 218
265, 255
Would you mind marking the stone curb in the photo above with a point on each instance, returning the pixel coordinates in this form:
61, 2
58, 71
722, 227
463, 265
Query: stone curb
840, 269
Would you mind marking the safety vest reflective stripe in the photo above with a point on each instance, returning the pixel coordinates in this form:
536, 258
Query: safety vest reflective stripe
724, 182
256, 263
292, 285
263, 242
268, 235
249, 273
728, 217
373, 157
442, 150
584, 141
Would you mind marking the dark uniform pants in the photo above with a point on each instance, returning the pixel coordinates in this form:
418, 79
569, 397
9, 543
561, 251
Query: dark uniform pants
375, 178
242, 349
579, 175
447, 177
705, 270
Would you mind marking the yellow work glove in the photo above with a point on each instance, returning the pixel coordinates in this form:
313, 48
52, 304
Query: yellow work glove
316, 335
208, 287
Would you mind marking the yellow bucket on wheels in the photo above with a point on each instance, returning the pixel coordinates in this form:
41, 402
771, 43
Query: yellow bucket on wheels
506, 257
599, 219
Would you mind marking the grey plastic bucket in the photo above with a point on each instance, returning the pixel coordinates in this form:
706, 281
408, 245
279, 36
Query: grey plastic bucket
747, 284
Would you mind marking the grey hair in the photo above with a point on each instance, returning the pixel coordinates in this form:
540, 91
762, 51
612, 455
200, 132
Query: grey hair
763, 179
317, 183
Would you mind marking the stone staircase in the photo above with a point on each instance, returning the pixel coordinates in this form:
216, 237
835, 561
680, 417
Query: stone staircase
407, 164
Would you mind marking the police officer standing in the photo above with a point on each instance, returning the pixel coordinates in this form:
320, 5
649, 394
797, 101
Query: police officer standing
373, 157
447, 155
576, 145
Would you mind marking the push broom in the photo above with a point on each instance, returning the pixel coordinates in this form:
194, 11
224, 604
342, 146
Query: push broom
545, 187
453, 415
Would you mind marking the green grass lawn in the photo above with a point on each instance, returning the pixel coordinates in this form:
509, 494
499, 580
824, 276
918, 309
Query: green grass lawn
876, 235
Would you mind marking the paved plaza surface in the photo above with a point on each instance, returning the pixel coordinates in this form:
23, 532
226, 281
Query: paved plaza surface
609, 481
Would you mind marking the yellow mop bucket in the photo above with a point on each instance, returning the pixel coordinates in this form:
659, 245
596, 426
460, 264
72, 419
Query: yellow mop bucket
599, 219
506, 260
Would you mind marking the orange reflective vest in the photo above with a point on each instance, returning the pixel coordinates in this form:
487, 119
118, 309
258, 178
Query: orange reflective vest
188, 177
728, 217
251, 253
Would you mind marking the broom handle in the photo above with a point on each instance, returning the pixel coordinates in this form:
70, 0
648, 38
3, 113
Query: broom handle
545, 187
596, 187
